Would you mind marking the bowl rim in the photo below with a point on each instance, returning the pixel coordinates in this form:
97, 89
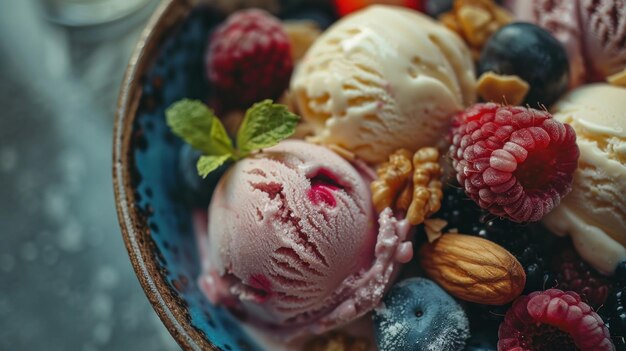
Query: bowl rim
134, 230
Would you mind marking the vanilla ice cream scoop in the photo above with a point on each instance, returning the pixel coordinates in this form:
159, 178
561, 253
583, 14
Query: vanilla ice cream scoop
384, 78
594, 213
294, 241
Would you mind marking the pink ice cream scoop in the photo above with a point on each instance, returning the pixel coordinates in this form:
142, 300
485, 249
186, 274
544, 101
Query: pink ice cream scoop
293, 240
593, 32
604, 30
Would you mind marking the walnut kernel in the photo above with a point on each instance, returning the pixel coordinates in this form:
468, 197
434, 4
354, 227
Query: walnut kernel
410, 184
475, 21
502, 88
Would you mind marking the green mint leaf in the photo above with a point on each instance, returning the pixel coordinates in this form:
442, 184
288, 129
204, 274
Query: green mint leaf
195, 123
265, 125
207, 164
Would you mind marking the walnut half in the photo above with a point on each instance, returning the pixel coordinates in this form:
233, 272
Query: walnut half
410, 184
475, 21
427, 191
393, 177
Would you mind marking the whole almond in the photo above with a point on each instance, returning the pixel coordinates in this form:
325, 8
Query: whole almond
473, 269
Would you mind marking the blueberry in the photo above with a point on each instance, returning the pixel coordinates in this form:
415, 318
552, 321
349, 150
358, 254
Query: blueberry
418, 315
196, 190
323, 17
435, 8
530, 52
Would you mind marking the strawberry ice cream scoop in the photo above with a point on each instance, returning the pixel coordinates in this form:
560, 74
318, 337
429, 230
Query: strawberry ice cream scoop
293, 241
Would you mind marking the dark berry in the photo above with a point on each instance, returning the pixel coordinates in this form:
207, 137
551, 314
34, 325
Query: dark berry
619, 279
572, 273
417, 315
530, 243
435, 8
614, 313
197, 191
319, 11
323, 18
553, 320
483, 338
533, 54
513, 161
485, 316
287, 6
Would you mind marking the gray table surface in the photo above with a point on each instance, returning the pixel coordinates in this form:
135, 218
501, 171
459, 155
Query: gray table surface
66, 282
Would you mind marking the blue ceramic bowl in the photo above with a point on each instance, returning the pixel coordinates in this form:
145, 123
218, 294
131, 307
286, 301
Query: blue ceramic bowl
154, 210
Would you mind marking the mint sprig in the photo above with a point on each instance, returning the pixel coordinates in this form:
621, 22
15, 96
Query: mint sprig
195, 123
265, 124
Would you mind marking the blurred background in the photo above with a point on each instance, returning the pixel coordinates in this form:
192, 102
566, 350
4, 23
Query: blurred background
65, 278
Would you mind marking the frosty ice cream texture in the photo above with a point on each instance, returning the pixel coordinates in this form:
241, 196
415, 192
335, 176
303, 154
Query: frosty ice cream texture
593, 32
594, 213
293, 240
381, 79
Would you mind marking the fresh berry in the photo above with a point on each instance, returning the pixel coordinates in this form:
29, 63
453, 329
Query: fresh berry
619, 278
530, 243
197, 190
345, 7
320, 12
434, 8
513, 161
483, 326
418, 315
572, 273
321, 17
614, 313
531, 53
249, 58
483, 338
552, 320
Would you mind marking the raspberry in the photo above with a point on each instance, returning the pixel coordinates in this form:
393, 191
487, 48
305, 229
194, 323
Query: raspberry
515, 162
572, 273
249, 58
552, 320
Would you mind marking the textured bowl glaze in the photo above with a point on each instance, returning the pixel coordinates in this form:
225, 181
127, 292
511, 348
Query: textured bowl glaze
154, 210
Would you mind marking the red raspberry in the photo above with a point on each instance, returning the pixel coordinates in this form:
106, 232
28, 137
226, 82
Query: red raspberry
513, 161
249, 58
552, 320
572, 273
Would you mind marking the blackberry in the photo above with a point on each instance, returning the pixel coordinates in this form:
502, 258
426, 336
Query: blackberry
619, 279
486, 317
482, 339
614, 311
573, 274
530, 243
614, 314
